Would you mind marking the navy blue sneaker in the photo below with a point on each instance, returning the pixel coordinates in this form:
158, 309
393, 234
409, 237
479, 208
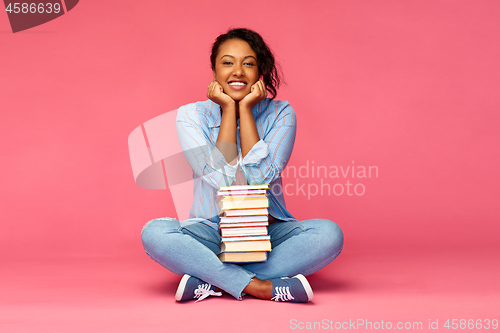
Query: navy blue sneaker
191, 288
295, 289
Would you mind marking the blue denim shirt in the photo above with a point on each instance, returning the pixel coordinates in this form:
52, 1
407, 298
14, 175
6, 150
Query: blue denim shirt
198, 127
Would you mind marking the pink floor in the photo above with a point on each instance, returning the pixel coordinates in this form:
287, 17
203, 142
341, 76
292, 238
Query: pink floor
134, 294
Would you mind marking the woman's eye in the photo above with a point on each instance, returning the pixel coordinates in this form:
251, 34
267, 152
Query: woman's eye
249, 64
227, 63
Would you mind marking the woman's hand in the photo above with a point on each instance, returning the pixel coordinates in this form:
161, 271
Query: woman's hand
216, 94
258, 92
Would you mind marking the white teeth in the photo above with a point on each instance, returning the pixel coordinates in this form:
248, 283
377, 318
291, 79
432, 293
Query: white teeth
237, 84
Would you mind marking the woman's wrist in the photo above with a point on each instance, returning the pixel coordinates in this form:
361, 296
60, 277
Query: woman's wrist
226, 140
245, 108
246, 115
229, 105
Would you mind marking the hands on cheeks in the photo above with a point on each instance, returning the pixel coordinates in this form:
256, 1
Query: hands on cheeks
216, 94
258, 92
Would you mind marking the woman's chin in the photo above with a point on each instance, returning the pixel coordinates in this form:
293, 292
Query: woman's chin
236, 95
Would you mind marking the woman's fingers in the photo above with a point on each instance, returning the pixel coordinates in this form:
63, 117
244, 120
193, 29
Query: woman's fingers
217, 95
218, 87
258, 93
209, 90
214, 88
262, 88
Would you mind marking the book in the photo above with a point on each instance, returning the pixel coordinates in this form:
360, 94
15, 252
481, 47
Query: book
243, 197
242, 192
261, 245
245, 238
244, 187
251, 218
243, 224
242, 257
229, 194
243, 203
245, 212
251, 231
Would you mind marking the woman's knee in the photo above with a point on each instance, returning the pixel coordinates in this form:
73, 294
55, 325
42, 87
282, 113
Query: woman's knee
330, 235
153, 230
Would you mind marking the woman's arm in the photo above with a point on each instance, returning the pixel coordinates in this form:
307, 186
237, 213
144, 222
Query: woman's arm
263, 158
226, 140
267, 159
198, 147
249, 135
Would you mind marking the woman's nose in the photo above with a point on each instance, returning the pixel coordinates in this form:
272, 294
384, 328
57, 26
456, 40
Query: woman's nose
237, 71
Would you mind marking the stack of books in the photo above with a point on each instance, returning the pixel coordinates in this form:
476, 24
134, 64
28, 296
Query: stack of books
243, 223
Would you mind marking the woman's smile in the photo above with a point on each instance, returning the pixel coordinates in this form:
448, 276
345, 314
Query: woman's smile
237, 84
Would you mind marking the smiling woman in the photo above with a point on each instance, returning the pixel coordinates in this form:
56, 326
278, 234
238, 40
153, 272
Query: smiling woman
237, 90
266, 66
238, 137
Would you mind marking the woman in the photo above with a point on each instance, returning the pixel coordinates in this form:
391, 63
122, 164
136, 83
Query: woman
239, 136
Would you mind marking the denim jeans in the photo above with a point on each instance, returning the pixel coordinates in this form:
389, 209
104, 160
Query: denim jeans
298, 247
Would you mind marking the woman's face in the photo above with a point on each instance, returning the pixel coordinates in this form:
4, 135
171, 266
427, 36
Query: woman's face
236, 68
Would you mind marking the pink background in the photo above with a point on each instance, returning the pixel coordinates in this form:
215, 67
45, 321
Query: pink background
410, 87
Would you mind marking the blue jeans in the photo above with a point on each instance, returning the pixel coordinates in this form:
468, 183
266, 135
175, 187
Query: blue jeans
299, 247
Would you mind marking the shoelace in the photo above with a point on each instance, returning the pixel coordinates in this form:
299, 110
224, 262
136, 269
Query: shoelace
204, 291
282, 294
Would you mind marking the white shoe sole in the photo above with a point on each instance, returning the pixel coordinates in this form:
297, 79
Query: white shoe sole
182, 287
307, 286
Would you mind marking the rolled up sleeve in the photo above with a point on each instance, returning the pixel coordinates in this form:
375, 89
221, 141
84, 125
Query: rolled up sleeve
204, 158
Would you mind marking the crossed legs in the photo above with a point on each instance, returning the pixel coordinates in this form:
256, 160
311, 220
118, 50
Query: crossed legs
300, 247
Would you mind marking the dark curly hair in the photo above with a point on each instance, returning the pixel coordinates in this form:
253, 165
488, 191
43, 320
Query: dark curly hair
265, 58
